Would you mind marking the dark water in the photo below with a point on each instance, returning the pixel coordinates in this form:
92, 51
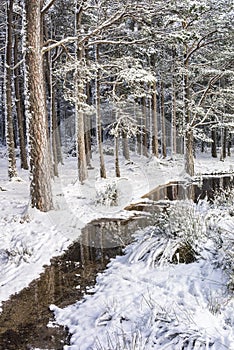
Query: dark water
207, 187
23, 322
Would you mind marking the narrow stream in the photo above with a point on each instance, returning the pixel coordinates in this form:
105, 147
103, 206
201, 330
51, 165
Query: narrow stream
25, 316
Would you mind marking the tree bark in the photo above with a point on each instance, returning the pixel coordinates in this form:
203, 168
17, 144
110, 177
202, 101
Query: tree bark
54, 129
189, 139
98, 121
88, 148
155, 122
2, 106
173, 121
125, 146
19, 109
189, 158
79, 92
144, 114
214, 143
117, 168
229, 144
40, 187
163, 124
12, 172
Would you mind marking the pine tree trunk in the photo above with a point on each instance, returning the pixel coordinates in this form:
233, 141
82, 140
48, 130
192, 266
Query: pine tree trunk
189, 158
98, 121
189, 139
80, 93
82, 165
117, 168
19, 109
163, 124
144, 114
173, 121
2, 106
139, 136
12, 172
54, 130
88, 145
58, 133
155, 122
88, 149
214, 143
223, 150
229, 144
125, 146
40, 187
225, 143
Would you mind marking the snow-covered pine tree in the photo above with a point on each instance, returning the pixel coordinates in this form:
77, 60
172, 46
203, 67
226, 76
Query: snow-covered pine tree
40, 162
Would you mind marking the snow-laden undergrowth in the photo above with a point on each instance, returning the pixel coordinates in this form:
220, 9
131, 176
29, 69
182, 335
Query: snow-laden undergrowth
172, 289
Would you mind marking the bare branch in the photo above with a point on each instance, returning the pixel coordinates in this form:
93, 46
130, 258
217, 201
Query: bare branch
113, 19
47, 6
201, 44
115, 42
67, 40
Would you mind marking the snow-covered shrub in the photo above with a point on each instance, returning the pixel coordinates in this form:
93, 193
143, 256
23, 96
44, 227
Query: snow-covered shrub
122, 341
177, 236
224, 199
107, 194
19, 253
221, 230
224, 259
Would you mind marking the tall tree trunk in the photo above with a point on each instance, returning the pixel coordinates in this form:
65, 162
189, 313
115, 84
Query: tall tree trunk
117, 168
58, 134
79, 92
2, 106
98, 121
163, 124
214, 143
155, 121
173, 120
139, 135
144, 115
225, 142
88, 145
12, 172
19, 109
229, 144
82, 164
189, 158
189, 139
40, 187
125, 145
54, 128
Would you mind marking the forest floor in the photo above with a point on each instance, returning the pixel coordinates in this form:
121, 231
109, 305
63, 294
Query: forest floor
137, 305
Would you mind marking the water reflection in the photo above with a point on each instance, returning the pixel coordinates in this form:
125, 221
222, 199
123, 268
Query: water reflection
23, 322
207, 187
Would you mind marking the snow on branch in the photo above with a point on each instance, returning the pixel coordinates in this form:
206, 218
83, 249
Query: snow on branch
47, 6
113, 19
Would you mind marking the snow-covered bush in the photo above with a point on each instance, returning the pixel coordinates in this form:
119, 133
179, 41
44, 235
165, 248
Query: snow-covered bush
221, 229
177, 236
19, 253
107, 194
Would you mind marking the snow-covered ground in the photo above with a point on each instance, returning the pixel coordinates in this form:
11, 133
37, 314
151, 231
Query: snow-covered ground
29, 238
132, 300
143, 301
